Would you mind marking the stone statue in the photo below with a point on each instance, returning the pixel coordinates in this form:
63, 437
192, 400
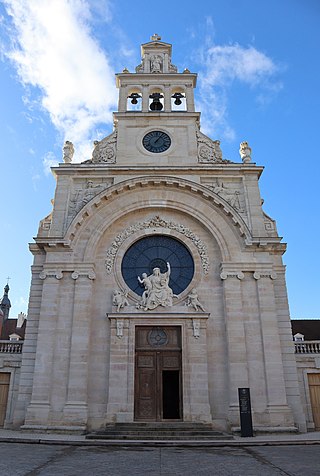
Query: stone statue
156, 64
245, 152
157, 291
119, 299
68, 151
147, 286
193, 301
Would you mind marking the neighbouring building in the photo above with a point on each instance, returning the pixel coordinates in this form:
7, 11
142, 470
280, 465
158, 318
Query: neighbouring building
158, 288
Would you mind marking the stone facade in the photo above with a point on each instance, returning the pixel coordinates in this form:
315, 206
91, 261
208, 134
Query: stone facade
78, 368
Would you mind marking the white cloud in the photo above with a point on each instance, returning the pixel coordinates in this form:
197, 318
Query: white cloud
50, 160
55, 52
224, 65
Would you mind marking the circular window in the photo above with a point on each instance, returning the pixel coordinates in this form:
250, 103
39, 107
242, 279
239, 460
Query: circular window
154, 252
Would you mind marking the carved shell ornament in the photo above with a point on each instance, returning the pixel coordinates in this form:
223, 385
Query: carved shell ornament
105, 151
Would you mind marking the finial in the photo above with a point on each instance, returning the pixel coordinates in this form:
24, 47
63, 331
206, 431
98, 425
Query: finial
155, 37
125, 70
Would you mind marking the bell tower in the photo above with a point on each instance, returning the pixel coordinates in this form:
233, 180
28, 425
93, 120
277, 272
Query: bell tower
152, 101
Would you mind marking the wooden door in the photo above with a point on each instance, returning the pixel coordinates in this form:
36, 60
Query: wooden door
314, 387
4, 390
158, 382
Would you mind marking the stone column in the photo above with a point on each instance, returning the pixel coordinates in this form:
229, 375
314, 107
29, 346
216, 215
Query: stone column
75, 410
279, 412
167, 98
236, 342
145, 97
189, 98
123, 98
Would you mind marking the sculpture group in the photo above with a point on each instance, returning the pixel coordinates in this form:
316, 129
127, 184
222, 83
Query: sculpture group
156, 289
157, 292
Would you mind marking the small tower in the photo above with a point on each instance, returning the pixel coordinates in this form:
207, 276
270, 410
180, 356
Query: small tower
5, 303
156, 81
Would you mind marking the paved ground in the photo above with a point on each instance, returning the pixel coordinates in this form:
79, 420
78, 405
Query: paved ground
21, 459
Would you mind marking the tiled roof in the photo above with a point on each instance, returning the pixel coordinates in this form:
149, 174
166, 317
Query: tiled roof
310, 328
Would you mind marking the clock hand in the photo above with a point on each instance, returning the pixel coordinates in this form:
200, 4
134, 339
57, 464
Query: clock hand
157, 139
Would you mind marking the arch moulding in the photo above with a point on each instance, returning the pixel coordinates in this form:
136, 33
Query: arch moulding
170, 183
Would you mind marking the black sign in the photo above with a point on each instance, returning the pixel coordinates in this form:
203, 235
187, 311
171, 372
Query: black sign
245, 412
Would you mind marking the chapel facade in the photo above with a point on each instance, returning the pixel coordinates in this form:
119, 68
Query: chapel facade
158, 287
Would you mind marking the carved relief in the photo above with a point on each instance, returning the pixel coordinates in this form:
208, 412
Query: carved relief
157, 222
171, 361
196, 328
193, 301
82, 196
145, 361
120, 325
209, 150
172, 68
105, 151
45, 223
230, 193
157, 337
156, 63
255, 274
269, 225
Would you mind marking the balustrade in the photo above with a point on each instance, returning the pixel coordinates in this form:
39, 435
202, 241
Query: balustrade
11, 347
307, 347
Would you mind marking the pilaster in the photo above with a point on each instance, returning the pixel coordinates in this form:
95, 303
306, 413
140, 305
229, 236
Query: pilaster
236, 341
39, 407
75, 409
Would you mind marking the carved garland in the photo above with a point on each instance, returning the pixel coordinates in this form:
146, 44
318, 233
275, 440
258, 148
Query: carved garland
157, 222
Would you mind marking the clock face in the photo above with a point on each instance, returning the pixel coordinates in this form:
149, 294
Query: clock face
156, 141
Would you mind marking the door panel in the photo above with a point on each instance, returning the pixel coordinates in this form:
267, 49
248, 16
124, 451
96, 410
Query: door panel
314, 387
4, 390
145, 386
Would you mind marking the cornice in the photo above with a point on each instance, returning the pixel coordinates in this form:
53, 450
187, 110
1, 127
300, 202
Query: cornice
100, 169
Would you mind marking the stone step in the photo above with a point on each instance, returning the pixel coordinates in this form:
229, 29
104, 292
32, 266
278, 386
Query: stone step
158, 437
158, 431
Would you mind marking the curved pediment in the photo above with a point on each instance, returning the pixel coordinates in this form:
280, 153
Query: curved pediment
172, 183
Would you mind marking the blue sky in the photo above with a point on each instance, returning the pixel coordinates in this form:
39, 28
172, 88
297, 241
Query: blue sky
259, 77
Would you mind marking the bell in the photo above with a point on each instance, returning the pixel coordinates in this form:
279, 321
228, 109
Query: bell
177, 97
134, 98
156, 104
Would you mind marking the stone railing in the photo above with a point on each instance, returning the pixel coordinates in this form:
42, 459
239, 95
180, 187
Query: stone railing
11, 347
307, 347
